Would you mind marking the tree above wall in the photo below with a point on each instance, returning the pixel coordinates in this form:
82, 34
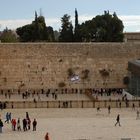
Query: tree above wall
102, 28
36, 31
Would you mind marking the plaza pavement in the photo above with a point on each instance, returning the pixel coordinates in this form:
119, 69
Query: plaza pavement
75, 124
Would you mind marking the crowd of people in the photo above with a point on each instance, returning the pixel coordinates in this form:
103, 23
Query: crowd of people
16, 123
45, 94
100, 92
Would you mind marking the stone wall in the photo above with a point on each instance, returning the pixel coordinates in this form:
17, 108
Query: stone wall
42, 66
132, 37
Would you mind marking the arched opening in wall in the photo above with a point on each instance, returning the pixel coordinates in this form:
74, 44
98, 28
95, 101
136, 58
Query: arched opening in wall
76, 90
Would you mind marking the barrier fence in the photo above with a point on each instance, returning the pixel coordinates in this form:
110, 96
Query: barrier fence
71, 104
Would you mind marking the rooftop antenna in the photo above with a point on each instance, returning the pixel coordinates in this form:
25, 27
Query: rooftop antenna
41, 12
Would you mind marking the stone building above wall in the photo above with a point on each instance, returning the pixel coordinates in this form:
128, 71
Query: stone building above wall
132, 37
134, 85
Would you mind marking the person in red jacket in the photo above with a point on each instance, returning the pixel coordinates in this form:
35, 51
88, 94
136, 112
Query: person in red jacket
47, 136
13, 124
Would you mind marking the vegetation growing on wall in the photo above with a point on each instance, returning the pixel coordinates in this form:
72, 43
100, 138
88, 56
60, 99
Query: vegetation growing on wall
85, 74
70, 72
104, 72
61, 84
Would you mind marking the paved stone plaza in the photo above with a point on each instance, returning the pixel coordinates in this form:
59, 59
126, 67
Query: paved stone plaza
75, 124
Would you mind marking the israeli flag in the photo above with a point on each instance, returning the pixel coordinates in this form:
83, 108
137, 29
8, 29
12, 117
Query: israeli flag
75, 78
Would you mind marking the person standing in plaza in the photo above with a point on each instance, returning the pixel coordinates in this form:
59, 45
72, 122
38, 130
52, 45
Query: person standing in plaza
1, 126
29, 123
133, 106
118, 120
109, 108
27, 115
10, 116
18, 125
7, 117
34, 125
47, 136
138, 115
24, 124
13, 124
120, 104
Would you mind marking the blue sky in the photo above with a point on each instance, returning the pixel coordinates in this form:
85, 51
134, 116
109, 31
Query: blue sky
15, 13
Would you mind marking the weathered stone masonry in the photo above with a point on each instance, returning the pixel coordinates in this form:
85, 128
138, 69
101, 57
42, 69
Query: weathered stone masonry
43, 65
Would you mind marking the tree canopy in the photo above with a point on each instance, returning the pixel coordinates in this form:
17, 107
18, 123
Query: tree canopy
8, 36
66, 33
102, 28
36, 31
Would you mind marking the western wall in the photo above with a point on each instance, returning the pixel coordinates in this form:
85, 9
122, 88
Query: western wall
54, 65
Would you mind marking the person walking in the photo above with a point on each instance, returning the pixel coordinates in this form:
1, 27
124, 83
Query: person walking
7, 117
98, 109
10, 116
1, 126
18, 125
138, 115
24, 124
120, 104
47, 136
34, 125
27, 115
118, 120
133, 106
109, 108
29, 123
13, 124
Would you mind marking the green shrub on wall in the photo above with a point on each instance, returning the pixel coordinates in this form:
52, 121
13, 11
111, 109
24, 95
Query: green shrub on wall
70, 72
104, 72
61, 84
85, 74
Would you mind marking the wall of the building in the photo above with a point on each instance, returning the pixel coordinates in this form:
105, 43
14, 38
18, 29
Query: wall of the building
40, 65
132, 37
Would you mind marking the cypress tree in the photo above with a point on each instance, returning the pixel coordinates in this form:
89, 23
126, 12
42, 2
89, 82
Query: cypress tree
76, 31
